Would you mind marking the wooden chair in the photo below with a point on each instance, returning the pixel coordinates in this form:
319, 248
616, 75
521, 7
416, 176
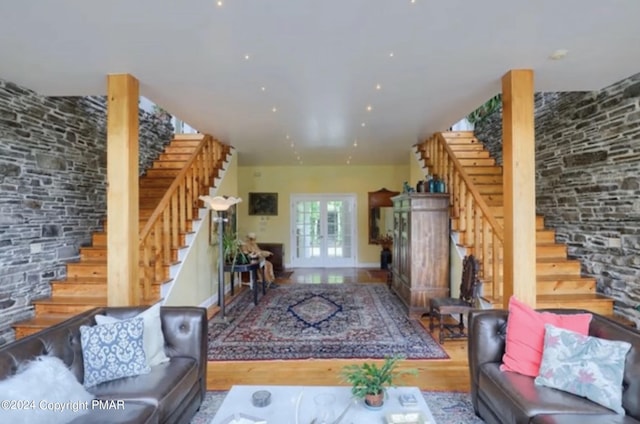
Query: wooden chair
442, 307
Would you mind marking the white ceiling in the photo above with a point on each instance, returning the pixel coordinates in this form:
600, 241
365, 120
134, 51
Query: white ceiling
319, 62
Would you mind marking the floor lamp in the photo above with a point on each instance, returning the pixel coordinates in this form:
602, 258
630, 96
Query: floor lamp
221, 205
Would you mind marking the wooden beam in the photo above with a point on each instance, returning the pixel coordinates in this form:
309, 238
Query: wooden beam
518, 144
123, 287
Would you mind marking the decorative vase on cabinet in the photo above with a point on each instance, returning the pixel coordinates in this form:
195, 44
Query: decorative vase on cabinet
421, 249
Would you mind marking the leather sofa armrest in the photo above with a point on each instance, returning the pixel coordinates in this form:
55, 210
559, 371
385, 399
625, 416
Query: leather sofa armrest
487, 330
185, 334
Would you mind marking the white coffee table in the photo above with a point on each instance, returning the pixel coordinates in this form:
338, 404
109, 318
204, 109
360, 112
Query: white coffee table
282, 408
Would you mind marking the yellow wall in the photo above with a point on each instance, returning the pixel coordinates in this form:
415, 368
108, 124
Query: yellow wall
288, 180
197, 280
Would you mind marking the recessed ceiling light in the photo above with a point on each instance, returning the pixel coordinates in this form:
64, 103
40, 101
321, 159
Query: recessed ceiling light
219, 3
369, 108
355, 143
274, 109
263, 88
287, 136
413, 1
559, 54
363, 124
246, 57
391, 54
378, 86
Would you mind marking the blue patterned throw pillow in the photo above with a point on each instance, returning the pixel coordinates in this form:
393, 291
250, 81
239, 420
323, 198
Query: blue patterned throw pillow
112, 351
585, 366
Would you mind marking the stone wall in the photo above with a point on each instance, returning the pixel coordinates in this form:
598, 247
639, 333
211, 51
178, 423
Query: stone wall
588, 181
52, 188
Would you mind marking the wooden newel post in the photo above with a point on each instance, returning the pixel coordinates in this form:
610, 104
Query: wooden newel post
123, 283
519, 162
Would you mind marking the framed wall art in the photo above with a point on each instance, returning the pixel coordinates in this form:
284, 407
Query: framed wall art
263, 204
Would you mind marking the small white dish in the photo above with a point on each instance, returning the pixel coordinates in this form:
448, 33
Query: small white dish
405, 418
240, 418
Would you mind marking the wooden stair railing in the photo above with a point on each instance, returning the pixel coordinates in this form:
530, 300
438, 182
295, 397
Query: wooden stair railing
160, 236
475, 185
484, 236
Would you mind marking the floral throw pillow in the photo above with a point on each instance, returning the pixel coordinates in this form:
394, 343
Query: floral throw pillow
585, 366
112, 351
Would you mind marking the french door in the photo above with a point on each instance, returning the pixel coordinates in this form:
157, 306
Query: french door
323, 230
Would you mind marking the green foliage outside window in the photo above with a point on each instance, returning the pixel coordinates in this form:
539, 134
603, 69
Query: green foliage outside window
486, 109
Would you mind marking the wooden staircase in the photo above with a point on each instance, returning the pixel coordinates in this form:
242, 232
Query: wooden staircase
475, 183
85, 286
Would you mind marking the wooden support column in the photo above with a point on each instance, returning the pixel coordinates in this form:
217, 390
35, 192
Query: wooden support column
123, 284
518, 145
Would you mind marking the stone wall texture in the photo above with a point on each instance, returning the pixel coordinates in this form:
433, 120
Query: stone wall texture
52, 188
588, 181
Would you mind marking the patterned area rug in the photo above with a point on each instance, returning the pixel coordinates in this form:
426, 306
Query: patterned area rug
303, 321
446, 407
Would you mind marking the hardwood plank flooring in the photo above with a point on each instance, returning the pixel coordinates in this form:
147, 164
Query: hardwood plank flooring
446, 374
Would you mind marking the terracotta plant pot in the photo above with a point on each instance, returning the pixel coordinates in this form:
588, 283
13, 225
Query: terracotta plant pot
374, 401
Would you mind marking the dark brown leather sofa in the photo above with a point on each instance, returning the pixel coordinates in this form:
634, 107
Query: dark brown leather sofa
171, 393
509, 398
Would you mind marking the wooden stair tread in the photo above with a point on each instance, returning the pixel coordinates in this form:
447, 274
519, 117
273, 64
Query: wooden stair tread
467, 154
103, 261
483, 170
82, 280
88, 262
556, 298
162, 169
464, 147
43, 321
188, 136
572, 298
563, 277
155, 182
73, 300
552, 260
92, 280
457, 135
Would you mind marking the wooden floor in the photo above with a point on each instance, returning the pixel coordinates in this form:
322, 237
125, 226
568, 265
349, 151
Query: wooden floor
446, 374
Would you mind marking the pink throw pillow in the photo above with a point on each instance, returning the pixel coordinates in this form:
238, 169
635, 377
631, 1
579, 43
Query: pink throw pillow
525, 335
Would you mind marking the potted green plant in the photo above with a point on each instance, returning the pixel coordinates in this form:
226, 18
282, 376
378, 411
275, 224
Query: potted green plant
369, 381
232, 250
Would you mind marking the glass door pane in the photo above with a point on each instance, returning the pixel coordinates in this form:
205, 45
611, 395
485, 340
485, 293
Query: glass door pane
323, 231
